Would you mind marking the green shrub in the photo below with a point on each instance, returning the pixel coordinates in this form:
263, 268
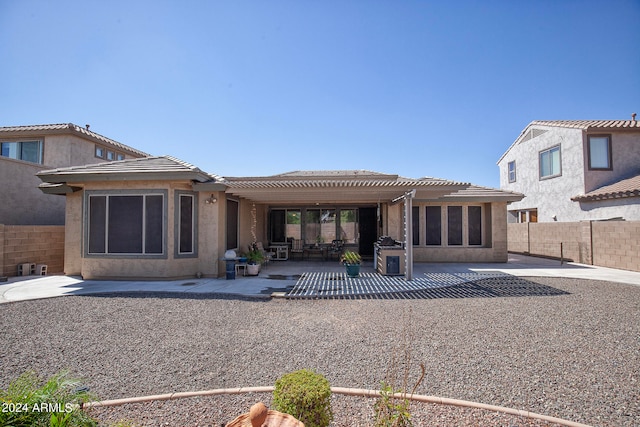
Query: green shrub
31, 401
392, 411
306, 395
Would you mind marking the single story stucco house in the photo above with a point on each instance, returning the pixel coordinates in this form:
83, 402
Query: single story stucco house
159, 217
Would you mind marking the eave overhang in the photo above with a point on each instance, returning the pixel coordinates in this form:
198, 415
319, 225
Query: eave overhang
121, 176
58, 189
355, 191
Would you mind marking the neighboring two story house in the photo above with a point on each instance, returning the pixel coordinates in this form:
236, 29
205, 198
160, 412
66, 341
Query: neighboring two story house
574, 170
26, 150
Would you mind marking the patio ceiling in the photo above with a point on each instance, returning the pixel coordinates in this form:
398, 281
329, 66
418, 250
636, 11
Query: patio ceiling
337, 191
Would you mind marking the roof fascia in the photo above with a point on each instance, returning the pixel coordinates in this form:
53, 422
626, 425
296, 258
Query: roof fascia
58, 189
61, 177
479, 198
209, 186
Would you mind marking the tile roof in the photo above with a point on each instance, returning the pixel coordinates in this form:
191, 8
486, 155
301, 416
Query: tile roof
478, 193
589, 124
334, 173
17, 131
629, 187
157, 168
586, 125
324, 179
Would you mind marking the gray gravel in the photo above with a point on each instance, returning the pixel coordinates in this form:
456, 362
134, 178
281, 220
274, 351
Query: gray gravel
573, 356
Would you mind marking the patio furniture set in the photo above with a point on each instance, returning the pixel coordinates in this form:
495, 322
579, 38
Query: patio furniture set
284, 251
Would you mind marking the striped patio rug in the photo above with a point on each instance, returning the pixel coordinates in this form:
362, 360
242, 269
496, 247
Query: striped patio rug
339, 285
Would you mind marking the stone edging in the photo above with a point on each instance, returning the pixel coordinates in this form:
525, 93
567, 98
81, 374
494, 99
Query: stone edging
337, 390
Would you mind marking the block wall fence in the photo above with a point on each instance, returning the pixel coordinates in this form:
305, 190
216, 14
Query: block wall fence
613, 244
37, 244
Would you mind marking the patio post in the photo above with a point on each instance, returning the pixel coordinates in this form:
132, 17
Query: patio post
408, 234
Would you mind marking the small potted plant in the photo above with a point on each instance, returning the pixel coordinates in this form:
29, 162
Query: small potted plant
254, 259
351, 261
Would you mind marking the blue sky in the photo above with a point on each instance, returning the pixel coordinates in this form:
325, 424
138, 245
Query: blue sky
249, 88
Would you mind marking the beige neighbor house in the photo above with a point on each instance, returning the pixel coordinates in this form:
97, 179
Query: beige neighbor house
159, 217
574, 170
25, 150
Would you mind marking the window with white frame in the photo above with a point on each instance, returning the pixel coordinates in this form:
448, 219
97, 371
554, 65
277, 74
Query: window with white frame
512, 171
29, 151
599, 148
126, 224
550, 163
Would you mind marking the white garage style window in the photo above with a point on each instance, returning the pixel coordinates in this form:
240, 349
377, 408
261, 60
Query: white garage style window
126, 224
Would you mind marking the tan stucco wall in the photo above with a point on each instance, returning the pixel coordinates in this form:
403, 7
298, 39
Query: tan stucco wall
22, 202
494, 248
209, 249
73, 235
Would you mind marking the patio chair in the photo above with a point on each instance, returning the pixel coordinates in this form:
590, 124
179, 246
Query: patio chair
335, 250
267, 256
297, 248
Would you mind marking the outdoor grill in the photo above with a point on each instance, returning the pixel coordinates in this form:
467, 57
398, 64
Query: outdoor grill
389, 256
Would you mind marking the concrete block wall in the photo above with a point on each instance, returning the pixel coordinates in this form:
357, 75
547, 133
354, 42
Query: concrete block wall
518, 237
38, 244
558, 239
616, 244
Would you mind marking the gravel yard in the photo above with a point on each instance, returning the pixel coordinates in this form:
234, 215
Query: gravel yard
574, 356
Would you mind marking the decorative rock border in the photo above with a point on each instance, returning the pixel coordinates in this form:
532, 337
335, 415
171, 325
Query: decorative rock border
338, 390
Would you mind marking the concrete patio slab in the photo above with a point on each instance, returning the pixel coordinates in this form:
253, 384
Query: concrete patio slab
281, 276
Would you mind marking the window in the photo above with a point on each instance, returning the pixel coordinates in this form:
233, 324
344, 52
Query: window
294, 229
119, 156
110, 155
186, 224
313, 225
464, 225
232, 224
284, 224
99, 152
550, 163
320, 226
599, 152
348, 225
29, 151
415, 224
454, 225
434, 226
474, 225
528, 215
126, 224
512, 171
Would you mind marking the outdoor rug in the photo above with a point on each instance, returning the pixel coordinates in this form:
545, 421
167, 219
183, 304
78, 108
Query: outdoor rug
427, 286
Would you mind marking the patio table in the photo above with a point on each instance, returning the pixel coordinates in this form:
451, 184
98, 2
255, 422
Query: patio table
282, 252
317, 250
